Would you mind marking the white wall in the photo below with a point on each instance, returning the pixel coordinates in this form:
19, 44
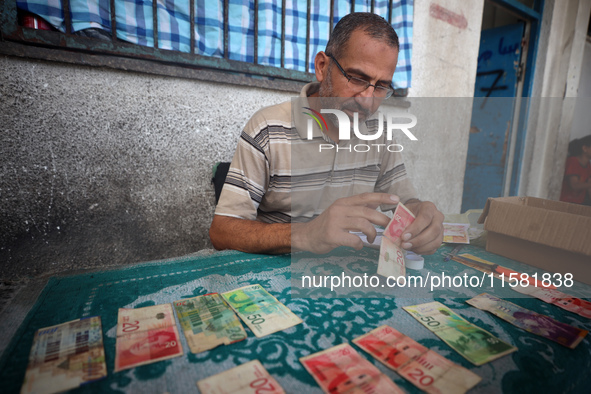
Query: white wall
445, 55
558, 66
582, 116
444, 62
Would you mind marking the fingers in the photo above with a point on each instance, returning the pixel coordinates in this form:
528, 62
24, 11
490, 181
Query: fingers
371, 215
357, 213
419, 231
427, 248
425, 234
372, 200
362, 225
354, 218
427, 242
351, 240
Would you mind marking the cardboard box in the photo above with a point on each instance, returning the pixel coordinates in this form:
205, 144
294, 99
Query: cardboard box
552, 235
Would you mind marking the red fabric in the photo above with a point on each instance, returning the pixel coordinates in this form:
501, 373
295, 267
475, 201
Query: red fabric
574, 167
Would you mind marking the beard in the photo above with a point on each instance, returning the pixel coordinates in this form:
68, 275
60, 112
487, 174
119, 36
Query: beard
329, 99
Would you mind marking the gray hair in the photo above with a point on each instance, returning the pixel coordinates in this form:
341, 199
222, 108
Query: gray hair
373, 25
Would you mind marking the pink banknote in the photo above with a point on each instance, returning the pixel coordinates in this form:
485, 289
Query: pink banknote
341, 369
558, 298
426, 369
391, 261
146, 335
401, 219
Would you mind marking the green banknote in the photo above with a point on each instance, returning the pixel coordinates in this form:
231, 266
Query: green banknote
208, 322
261, 312
475, 344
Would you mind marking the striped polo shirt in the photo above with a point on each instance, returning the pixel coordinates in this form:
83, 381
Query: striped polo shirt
279, 175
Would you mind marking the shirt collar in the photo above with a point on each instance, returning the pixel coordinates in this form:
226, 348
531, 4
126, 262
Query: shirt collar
299, 111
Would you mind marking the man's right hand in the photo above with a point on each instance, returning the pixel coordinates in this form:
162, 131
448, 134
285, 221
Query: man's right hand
332, 228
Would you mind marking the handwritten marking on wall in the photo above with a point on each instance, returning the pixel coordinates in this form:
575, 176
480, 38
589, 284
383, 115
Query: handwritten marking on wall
438, 12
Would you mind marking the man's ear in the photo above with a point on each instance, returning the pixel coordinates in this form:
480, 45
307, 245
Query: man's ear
321, 63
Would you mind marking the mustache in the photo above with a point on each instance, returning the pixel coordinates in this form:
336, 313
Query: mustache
354, 106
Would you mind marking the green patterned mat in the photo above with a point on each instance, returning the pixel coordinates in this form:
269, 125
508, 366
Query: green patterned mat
539, 365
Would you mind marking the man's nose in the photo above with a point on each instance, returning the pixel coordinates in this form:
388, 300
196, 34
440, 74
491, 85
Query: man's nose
365, 99
367, 92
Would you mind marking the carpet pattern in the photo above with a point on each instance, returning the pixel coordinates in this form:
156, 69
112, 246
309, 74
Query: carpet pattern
539, 366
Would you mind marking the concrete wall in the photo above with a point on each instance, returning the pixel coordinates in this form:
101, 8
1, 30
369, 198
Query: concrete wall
108, 165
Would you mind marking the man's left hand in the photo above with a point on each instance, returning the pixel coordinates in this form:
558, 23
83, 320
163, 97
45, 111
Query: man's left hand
425, 234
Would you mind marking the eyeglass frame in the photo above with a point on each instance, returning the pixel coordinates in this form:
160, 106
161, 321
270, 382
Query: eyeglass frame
350, 77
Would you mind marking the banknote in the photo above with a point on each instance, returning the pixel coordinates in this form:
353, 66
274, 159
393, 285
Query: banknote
261, 312
248, 378
146, 335
530, 321
555, 297
473, 343
426, 369
498, 271
341, 369
400, 220
391, 261
456, 233
208, 322
65, 356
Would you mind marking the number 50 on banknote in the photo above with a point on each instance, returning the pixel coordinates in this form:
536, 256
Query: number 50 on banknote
473, 343
261, 312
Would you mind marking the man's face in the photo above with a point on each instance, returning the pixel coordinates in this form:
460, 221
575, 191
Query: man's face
365, 58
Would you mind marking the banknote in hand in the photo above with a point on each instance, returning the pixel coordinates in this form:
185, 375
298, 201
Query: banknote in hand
400, 220
391, 261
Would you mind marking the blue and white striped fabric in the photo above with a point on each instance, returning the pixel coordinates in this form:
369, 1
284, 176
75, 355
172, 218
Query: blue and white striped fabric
402, 21
135, 25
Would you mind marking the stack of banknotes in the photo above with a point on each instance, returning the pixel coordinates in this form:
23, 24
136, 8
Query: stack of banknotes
392, 262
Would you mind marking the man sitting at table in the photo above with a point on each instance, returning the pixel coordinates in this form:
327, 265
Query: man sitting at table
254, 213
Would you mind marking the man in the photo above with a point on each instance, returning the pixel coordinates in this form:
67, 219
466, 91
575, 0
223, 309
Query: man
254, 213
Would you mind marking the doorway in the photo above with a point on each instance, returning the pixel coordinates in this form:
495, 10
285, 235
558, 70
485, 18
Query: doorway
508, 46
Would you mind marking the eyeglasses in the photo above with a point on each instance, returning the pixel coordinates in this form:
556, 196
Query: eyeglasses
359, 85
